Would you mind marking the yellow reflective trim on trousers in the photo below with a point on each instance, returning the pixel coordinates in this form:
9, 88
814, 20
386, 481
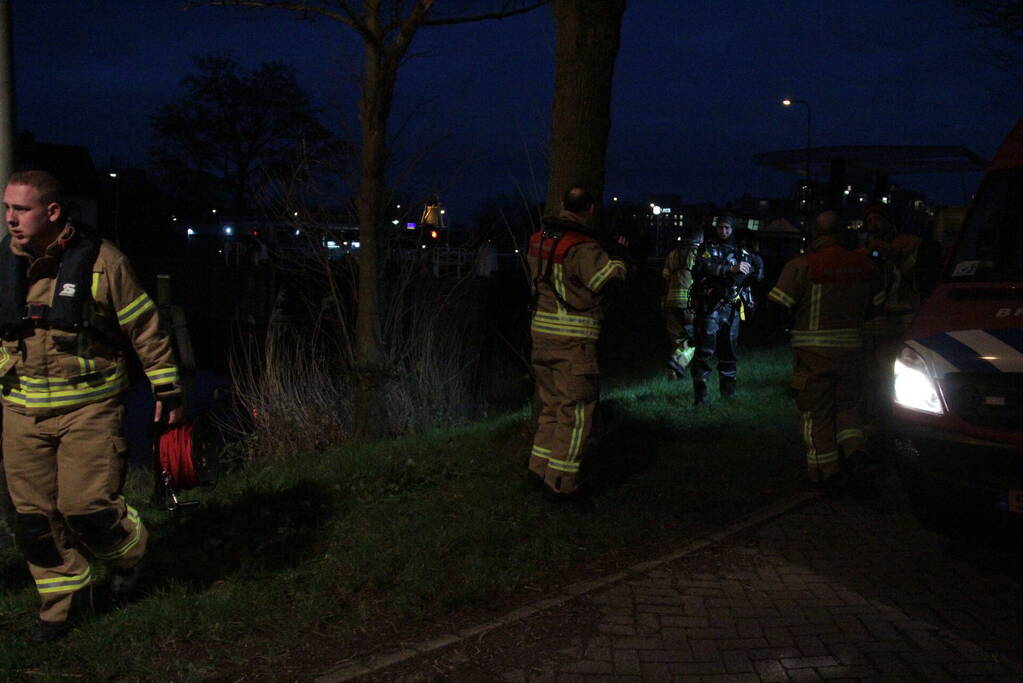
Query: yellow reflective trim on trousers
576, 443
133, 310
95, 285
541, 452
815, 307
4, 356
839, 338
163, 375
64, 584
32, 392
133, 541
563, 465
879, 298
847, 434
678, 296
781, 297
601, 276
564, 325
811, 452
822, 458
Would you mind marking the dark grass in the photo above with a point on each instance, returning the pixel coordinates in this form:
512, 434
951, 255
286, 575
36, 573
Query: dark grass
288, 567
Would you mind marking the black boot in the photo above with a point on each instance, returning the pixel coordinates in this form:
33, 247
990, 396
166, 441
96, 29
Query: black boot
699, 393
727, 388
48, 631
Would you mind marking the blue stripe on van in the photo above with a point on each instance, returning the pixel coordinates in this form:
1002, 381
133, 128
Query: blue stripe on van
1010, 336
957, 353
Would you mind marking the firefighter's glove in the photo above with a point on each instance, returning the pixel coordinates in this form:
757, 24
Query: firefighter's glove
618, 248
739, 271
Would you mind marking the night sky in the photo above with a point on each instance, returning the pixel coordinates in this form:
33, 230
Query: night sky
697, 87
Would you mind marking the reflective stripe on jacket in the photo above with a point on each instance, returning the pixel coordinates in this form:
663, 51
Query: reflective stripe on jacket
46, 371
831, 291
569, 269
678, 271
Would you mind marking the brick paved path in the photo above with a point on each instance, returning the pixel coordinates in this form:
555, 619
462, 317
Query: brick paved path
833, 590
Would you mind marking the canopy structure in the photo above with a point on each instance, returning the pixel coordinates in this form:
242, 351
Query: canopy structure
876, 160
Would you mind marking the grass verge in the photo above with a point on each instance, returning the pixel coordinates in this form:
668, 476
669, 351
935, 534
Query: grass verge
289, 567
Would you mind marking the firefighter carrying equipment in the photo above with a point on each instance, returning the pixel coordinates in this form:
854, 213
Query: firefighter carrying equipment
721, 299
62, 369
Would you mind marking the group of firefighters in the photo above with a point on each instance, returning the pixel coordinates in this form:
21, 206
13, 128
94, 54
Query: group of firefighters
71, 309
845, 304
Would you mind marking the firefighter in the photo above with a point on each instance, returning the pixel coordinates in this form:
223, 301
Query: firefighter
908, 265
722, 273
678, 312
829, 292
69, 305
570, 271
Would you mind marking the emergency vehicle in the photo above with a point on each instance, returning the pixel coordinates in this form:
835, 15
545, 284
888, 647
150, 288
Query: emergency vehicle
957, 416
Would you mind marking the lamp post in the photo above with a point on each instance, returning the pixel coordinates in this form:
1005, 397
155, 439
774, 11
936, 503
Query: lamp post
788, 103
117, 209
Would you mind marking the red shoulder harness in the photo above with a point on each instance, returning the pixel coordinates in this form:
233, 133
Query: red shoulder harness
540, 247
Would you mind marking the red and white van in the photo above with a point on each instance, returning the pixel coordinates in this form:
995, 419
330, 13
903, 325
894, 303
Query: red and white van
958, 381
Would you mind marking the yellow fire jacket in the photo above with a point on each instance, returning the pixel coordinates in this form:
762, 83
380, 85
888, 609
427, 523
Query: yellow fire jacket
46, 371
831, 291
569, 269
678, 271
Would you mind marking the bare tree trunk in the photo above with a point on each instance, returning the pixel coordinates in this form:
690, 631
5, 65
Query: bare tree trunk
587, 35
374, 109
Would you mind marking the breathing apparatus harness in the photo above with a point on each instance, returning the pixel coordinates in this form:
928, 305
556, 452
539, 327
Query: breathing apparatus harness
555, 252
70, 308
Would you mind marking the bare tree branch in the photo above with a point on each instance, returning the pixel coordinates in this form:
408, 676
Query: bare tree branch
500, 14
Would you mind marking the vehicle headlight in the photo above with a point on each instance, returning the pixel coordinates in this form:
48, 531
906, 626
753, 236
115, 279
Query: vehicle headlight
914, 387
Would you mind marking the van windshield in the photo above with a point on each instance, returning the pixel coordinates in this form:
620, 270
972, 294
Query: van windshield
991, 247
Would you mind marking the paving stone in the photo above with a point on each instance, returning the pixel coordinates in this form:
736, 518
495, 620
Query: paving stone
808, 662
832, 591
656, 672
770, 670
627, 662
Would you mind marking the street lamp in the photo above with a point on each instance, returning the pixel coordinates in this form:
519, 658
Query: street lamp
117, 208
788, 103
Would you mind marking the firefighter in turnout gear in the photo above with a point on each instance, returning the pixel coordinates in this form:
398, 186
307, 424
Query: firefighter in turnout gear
909, 267
722, 298
70, 307
570, 271
829, 292
678, 312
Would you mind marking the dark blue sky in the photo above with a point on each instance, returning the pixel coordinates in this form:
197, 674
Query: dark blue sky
697, 87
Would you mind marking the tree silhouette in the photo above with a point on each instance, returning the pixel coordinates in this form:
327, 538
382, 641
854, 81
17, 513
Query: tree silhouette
232, 129
386, 29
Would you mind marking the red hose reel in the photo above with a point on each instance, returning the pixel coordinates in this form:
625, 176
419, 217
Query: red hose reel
184, 457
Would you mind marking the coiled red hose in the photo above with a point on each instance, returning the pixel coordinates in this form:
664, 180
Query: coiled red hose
175, 448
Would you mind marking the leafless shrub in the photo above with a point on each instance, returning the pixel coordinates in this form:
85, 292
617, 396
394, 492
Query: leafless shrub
292, 395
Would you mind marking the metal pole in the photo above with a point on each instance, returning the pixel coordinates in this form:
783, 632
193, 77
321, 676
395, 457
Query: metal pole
808, 145
6, 99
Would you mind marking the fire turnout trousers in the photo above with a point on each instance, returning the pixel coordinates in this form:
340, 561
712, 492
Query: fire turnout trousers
65, 475
679, 323
567, 390
828, 382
